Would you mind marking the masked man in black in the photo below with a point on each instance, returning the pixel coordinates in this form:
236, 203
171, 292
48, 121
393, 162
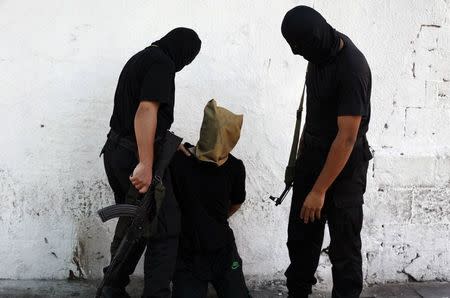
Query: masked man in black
330, 176
143, 112
209, 186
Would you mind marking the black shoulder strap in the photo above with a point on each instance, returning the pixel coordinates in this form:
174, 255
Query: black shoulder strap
290, 169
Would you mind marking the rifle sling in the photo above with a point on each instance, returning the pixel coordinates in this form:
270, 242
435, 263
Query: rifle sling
290, 169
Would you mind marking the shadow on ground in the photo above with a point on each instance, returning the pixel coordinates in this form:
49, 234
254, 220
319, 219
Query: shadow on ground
62, 288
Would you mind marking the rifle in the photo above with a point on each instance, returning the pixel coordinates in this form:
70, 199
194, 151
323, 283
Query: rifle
283, 195
289, 174
143, 214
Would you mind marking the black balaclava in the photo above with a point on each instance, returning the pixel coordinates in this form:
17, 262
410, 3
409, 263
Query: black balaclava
309, 35
181, 45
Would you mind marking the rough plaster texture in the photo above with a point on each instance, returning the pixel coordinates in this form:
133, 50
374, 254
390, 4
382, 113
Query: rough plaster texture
60, 61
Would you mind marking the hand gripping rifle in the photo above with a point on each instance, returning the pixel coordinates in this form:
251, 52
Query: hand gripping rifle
289, 174
142, 214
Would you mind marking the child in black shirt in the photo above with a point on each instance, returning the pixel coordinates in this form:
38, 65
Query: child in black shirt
209, 186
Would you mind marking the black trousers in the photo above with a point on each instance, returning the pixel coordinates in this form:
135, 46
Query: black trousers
343, 213
194, 273
160, 256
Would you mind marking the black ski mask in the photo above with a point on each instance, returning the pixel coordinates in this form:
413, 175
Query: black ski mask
181, 45
309, 35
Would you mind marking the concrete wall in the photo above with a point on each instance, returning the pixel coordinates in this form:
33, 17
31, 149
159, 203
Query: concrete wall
60, 61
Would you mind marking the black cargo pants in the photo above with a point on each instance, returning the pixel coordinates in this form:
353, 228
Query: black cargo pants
343, 213
223, 269
160, 256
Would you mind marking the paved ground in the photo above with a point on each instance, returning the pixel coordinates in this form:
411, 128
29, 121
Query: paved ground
35, 288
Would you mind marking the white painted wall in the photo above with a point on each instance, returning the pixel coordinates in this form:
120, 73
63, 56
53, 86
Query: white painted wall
60, 61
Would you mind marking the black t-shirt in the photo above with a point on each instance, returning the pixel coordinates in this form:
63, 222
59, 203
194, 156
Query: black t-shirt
204, 193
148, 76
340, 88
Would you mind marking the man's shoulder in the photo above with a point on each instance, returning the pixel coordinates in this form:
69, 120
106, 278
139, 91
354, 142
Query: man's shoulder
353, 60
153, 57
160, 59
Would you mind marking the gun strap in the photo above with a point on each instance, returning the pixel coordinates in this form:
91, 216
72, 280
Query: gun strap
290, 169
159, 196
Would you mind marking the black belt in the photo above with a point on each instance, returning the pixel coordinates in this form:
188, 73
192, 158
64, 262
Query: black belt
312, 141
124, 142
128, 143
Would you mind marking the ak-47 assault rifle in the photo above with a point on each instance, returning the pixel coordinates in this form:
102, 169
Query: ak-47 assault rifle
142, 214
283, 195
289, 174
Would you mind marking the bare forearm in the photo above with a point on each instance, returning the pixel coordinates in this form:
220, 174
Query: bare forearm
337, 158
145, 122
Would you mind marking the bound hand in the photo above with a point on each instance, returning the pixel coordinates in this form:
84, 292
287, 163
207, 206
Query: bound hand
312, 206
142, 177
183, 149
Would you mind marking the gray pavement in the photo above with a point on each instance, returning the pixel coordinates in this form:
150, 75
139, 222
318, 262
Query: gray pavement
62, 288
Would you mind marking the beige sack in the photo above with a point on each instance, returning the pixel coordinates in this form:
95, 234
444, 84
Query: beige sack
219, 134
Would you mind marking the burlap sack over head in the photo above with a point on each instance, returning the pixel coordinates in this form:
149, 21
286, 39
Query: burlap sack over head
219, 134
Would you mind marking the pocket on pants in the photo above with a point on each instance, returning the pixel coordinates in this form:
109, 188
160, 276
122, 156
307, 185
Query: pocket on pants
348, 191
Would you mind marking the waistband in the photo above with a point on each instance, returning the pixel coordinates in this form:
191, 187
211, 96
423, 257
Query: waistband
318, 142
122, 141
128, 143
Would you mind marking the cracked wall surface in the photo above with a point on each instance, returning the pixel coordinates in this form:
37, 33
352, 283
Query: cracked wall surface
60, 62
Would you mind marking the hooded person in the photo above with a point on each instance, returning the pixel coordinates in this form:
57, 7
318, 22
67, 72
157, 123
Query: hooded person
181, 45
220, 132
331, 168
143, 112
309, 35
209, 186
